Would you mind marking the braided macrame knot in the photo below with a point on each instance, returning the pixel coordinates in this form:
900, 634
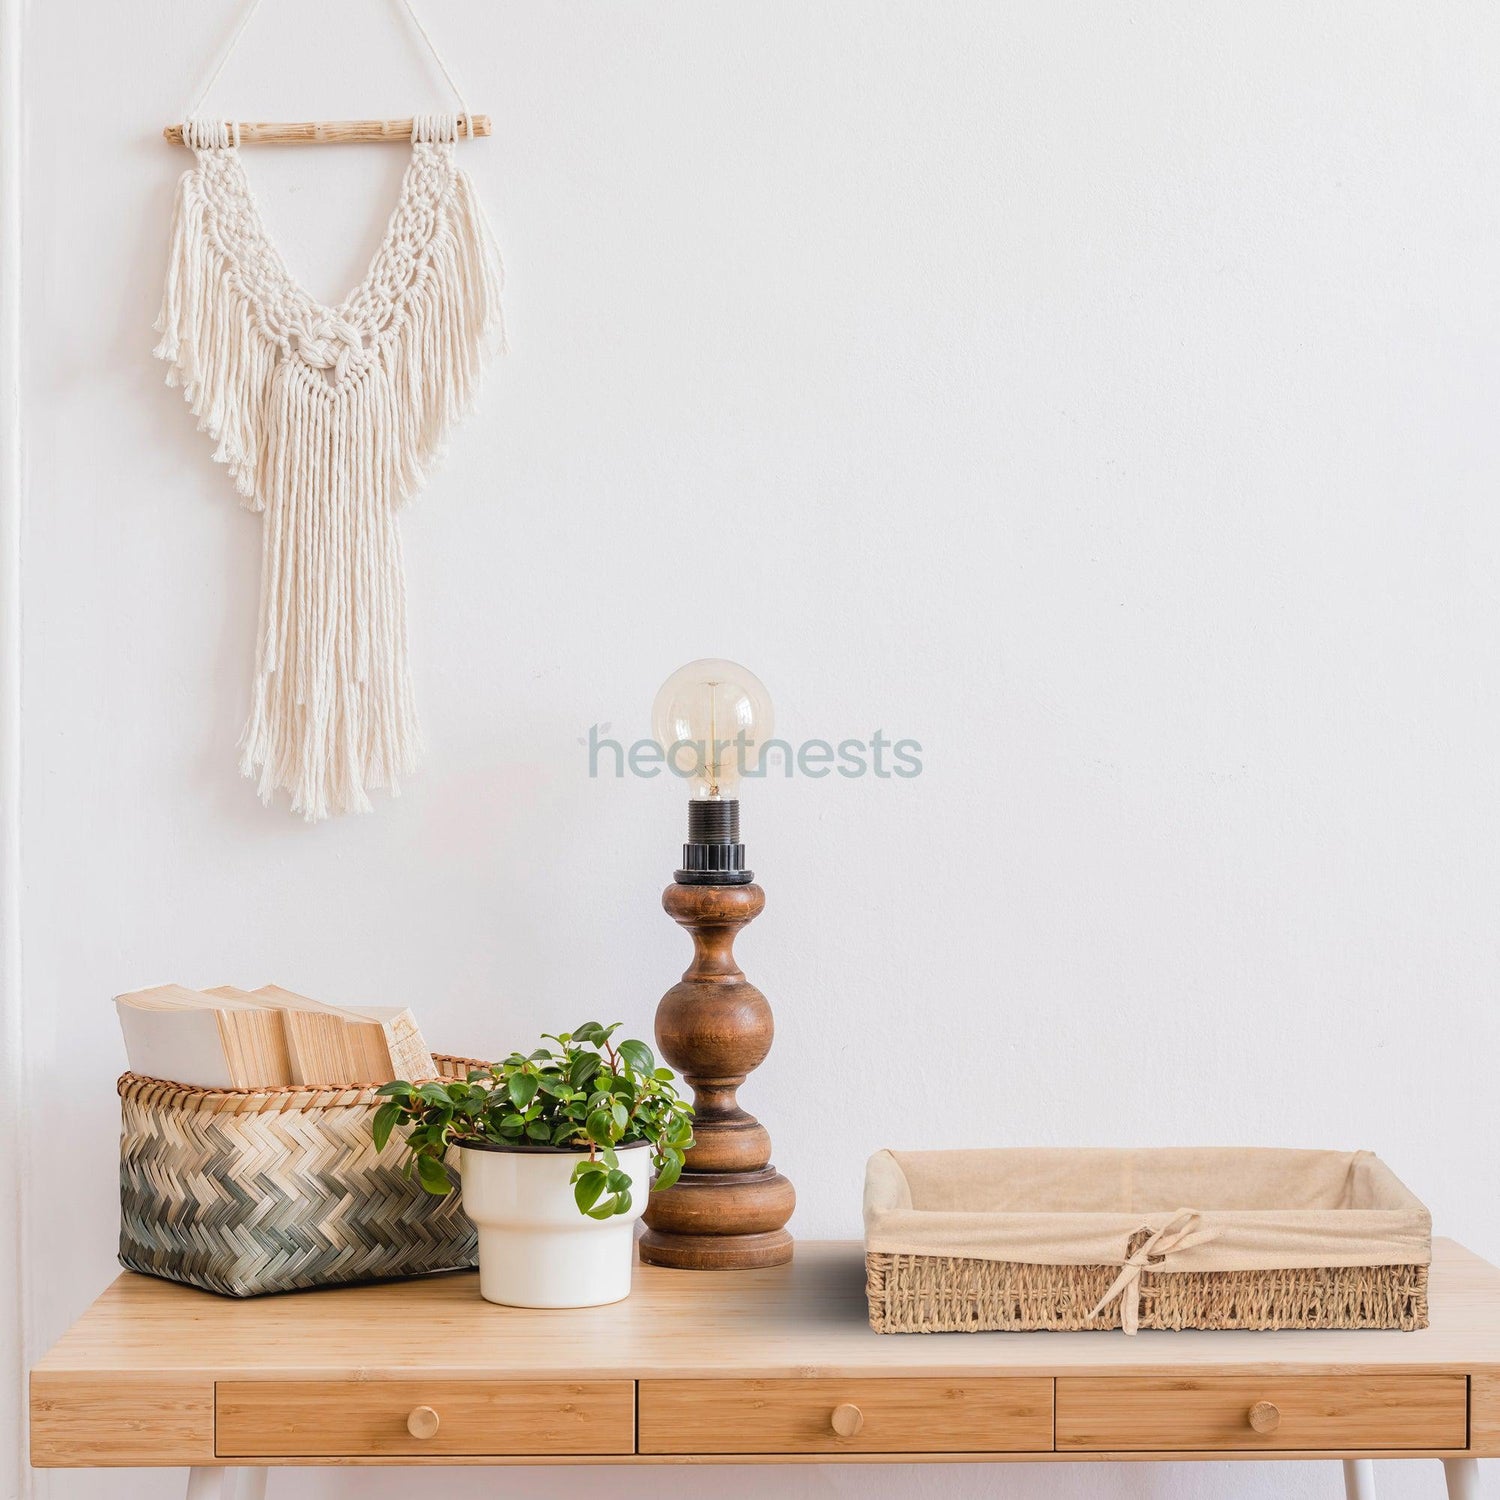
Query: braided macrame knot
211, 135
435, 130
330, 345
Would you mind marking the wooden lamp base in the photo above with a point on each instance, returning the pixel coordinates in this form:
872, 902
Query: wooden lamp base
729, 1209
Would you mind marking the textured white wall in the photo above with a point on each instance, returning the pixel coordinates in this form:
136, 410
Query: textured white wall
1104, 396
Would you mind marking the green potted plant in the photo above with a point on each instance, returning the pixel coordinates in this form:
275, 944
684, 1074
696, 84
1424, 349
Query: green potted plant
556, 1156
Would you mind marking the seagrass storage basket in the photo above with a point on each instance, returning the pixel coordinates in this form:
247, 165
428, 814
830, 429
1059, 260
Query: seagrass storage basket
1018, 1240
246, 1191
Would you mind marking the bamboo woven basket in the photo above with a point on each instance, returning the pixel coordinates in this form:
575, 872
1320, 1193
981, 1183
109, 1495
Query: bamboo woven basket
248, 1191
1060, 1204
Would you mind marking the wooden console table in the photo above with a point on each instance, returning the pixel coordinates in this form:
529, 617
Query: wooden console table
769, 1366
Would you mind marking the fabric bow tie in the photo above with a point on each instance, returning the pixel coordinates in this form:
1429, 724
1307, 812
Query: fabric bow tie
1181, 1232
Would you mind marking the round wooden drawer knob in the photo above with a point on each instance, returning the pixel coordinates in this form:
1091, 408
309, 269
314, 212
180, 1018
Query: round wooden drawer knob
1265, 1416
423, 1422
847, 1419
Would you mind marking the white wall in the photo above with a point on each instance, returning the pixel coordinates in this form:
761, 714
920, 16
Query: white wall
1104, 396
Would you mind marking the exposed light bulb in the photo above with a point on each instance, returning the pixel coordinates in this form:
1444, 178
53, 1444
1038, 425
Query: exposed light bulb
712, 719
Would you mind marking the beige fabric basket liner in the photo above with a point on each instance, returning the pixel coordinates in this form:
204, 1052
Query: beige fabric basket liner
1207, 1209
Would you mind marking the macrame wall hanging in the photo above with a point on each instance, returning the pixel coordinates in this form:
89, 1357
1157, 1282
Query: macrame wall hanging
327, 419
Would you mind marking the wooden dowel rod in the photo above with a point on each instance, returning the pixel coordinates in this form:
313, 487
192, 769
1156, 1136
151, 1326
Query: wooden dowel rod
328, 132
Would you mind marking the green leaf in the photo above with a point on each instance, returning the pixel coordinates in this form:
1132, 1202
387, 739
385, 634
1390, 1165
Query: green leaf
590, 1031
539, 1130
587, 1190
432, 1176
522, 1089
434, 1093
638, 1055
397, 1090
618, 1181
621, 1115
582, 1068
600, 1127
384, 1123
671, 1170
622, 1203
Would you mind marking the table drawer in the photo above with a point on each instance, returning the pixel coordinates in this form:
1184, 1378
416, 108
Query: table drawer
846, 1416
356, 1418
1120, 1412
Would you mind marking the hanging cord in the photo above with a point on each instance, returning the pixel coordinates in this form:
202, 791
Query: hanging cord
224, 55
416, 20
443, 67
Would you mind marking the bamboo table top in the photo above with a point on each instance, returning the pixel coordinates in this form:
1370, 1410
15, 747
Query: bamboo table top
802, 1320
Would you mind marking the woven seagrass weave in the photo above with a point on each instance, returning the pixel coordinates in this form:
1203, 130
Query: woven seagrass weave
952, 1294
246, 1191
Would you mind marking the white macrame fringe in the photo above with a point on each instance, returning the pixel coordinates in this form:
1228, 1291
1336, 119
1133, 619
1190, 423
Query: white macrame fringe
328, 428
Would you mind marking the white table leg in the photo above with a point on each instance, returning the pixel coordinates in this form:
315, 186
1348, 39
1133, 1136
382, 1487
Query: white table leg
1462, 1475
210, 1484
252, 1484
1359, 1479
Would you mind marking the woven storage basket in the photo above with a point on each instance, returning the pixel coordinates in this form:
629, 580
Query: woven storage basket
246, 1191
1039, 1221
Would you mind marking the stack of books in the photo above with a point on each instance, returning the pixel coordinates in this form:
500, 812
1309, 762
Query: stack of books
228, 1038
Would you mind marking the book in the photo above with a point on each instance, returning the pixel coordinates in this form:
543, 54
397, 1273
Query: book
203, 1041
332, 1044
319, 1047
405, 1047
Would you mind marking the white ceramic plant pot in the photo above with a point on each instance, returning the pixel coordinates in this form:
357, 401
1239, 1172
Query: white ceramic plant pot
535, 1248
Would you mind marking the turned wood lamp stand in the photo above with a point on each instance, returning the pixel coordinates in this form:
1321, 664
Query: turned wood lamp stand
729, 1209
